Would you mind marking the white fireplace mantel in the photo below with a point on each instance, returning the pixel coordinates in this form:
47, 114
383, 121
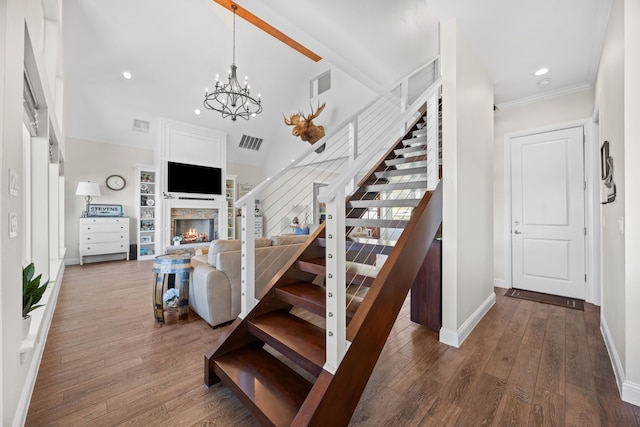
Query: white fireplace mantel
218, 203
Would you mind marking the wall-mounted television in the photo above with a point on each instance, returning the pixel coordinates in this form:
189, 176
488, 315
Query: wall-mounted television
193, 179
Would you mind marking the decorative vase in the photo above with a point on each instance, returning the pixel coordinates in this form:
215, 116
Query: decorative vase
26, 325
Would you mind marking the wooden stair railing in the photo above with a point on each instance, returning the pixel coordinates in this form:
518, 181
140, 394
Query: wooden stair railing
333, 398
273, 359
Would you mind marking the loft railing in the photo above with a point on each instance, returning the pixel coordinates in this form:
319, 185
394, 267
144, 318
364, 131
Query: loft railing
313, 188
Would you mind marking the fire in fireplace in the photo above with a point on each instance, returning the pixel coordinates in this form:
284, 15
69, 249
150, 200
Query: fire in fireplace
194, 230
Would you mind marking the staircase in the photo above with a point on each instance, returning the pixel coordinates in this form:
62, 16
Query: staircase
275, 359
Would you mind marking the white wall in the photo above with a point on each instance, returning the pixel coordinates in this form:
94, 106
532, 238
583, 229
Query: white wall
95, 161
632, 196
246, 174
24, 45
610, 102
11, 59
467, 225
562, 109
344, 99
617, 90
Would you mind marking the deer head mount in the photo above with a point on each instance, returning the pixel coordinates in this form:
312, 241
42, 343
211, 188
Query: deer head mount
304, 127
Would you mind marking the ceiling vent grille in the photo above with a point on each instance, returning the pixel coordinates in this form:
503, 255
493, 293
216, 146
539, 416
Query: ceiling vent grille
140, 125
250, 142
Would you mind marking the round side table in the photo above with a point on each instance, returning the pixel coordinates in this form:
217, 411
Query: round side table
164, 266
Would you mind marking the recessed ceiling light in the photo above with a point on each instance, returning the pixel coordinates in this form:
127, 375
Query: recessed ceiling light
127, 75
544, 82
197, 111
541, 72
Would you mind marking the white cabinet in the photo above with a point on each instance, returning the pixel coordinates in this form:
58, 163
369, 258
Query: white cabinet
147, 198
101, 236
230, 191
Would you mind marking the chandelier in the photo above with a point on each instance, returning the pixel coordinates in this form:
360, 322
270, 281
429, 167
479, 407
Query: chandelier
232, 99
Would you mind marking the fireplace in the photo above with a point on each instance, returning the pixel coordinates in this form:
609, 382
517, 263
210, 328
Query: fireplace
194, 225
194, 230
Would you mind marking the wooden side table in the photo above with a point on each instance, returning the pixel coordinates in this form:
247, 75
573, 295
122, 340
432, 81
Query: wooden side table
164, 266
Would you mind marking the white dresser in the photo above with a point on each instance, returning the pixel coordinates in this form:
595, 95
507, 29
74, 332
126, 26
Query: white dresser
100, 236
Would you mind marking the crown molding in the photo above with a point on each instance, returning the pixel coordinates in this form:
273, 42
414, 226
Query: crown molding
544, 96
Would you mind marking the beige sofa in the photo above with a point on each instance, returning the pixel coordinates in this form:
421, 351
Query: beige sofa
214, 291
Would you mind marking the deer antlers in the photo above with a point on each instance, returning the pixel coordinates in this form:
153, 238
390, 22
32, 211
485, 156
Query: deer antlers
304, 127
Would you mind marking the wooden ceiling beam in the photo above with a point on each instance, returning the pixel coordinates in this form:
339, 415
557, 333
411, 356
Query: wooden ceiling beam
251, 18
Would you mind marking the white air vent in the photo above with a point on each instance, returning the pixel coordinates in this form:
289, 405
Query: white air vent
320, 84
140, 125
250, 142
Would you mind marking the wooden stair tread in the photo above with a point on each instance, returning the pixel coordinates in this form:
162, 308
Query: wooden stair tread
401, 172
312, 298
386, 203
270, 389
312, 265
406, 159
364, 244
411, 149
304, 295
376, 223
353, 276
299, 340
378, 188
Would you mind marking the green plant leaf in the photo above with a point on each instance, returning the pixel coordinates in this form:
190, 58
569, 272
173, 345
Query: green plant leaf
32, 290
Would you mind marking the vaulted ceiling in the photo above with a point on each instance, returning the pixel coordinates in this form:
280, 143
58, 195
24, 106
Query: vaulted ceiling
174, 49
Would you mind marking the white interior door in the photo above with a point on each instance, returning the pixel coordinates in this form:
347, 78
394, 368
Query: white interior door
547, 213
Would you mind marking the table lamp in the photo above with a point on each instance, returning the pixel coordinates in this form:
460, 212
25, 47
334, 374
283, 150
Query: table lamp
87, 189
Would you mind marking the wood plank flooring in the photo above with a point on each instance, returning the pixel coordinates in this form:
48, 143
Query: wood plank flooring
106, 363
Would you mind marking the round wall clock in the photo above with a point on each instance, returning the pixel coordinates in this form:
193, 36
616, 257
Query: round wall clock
115, 182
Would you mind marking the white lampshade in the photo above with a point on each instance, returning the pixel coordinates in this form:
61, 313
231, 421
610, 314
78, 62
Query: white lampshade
88, 189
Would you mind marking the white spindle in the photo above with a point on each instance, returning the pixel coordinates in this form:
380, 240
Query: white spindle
336, 325
432, 141
248, 258
353, 148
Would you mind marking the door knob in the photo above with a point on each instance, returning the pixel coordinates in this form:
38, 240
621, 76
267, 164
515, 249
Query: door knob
518, 232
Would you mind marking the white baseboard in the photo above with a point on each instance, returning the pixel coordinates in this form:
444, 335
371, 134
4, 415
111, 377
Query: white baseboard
38, 349
629, 391
456, 338
501, 283
618, 369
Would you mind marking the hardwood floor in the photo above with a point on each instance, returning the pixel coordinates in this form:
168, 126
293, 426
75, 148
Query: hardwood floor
106, 362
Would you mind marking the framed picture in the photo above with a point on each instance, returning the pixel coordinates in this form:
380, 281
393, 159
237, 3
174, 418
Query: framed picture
243, 189
105, 210
145, 239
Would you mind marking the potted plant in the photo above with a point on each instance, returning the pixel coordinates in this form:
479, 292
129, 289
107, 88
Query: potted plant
177, 240
32, 292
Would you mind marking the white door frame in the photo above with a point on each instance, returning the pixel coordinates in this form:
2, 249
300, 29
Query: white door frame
592, 203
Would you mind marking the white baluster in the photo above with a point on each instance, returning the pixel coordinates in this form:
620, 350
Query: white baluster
248, 258
336, 324
353, 148
432, 142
